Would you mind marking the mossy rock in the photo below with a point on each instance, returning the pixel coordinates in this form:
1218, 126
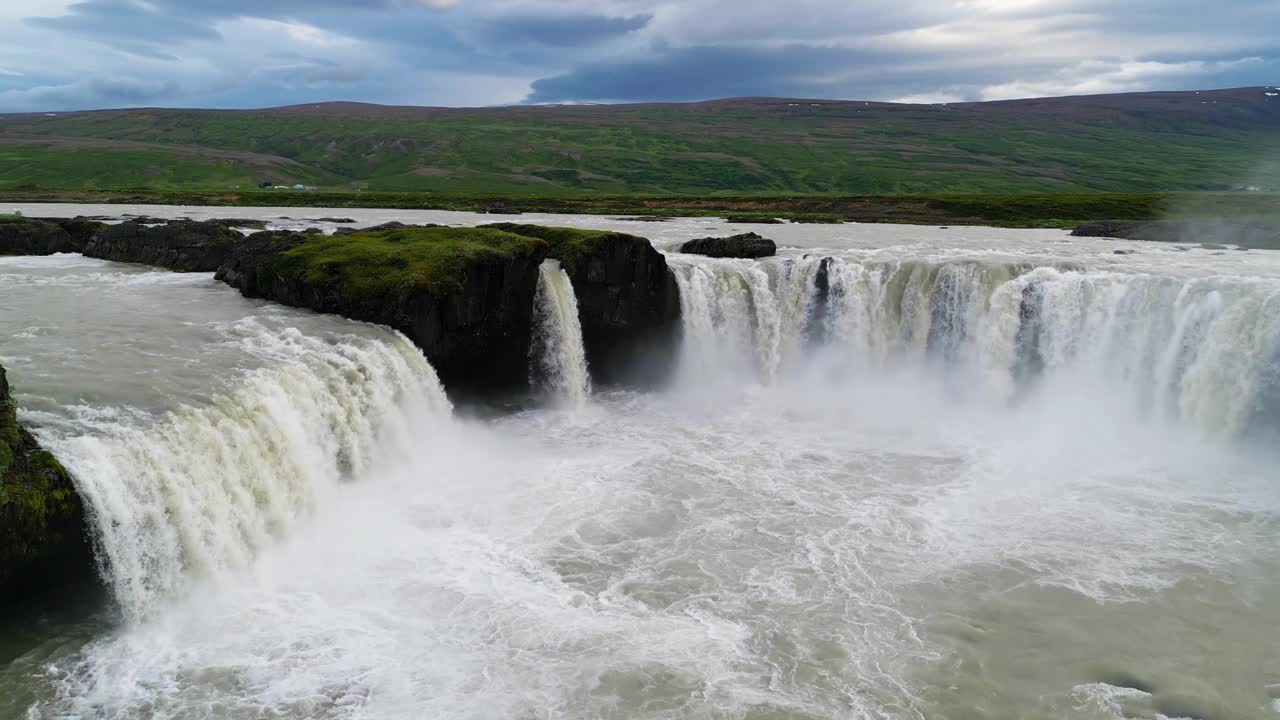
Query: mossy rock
573, 247
41, 515
399, 262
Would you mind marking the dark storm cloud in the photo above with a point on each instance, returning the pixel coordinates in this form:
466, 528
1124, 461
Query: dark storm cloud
95, 92
573, 31
794, 71
126, 23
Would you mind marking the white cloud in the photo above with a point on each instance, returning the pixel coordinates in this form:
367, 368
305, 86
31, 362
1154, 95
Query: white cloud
938, 98
299, 32
1094, 77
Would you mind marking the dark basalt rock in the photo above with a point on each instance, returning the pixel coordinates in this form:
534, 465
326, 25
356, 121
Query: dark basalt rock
240, 223
816, 329
45, 236
147, 219
476, 335
42, 521
181, 245
628, 301
393, 225
747, 245
335, 220
476, 329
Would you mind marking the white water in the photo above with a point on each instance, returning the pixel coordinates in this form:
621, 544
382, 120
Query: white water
1204, 351
199, 493
913, 498
558, 360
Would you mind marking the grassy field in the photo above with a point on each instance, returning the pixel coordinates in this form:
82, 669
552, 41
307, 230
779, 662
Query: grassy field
1151, 142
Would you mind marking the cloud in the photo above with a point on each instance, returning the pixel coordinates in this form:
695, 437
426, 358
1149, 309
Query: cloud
235, 53
1099, 77
125, 24
571, 31
102, 92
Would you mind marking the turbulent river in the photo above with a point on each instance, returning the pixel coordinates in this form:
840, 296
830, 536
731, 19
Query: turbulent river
945, 473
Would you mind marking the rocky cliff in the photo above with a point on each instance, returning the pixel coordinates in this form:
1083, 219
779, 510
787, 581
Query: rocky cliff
37, 236
182, 245
42, 524
464, 296
628, 300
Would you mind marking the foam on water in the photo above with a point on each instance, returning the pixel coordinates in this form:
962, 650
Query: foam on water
199, 492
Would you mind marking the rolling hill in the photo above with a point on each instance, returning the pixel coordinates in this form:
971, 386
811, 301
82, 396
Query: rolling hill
1143, 142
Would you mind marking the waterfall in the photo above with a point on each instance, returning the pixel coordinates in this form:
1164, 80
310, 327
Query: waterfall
558, 360
198, 492
1199, 350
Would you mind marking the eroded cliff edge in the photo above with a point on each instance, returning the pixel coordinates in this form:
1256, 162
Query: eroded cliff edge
465, 295
42, 522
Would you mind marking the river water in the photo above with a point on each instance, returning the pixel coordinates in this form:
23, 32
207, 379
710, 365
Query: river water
984, 474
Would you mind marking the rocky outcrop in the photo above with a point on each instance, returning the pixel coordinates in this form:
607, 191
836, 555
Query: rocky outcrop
471, 318
628, 300
42, 523
182, 245
393, 225
45, 236
1259, 234
747, 245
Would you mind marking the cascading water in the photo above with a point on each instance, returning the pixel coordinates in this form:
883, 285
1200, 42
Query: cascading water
198, 493
558, 359
1202, 350
927, 479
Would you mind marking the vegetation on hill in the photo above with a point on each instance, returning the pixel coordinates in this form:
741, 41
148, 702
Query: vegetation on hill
1139, 142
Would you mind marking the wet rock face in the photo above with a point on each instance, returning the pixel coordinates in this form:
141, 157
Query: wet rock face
182, 245
40, 236
629, 306
628, 301
746, 245
42, 522
476, 335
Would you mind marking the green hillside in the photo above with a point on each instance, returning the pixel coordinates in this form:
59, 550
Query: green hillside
1137, 142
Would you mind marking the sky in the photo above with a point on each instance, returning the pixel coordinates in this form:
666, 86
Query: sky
81, 54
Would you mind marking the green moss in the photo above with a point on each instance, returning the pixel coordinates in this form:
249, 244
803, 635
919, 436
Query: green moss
396, 263
571, 246
40, 512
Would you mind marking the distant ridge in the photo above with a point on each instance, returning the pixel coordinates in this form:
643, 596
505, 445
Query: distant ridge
1211, 139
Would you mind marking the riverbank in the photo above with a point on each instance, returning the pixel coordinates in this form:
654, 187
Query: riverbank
1032, 210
